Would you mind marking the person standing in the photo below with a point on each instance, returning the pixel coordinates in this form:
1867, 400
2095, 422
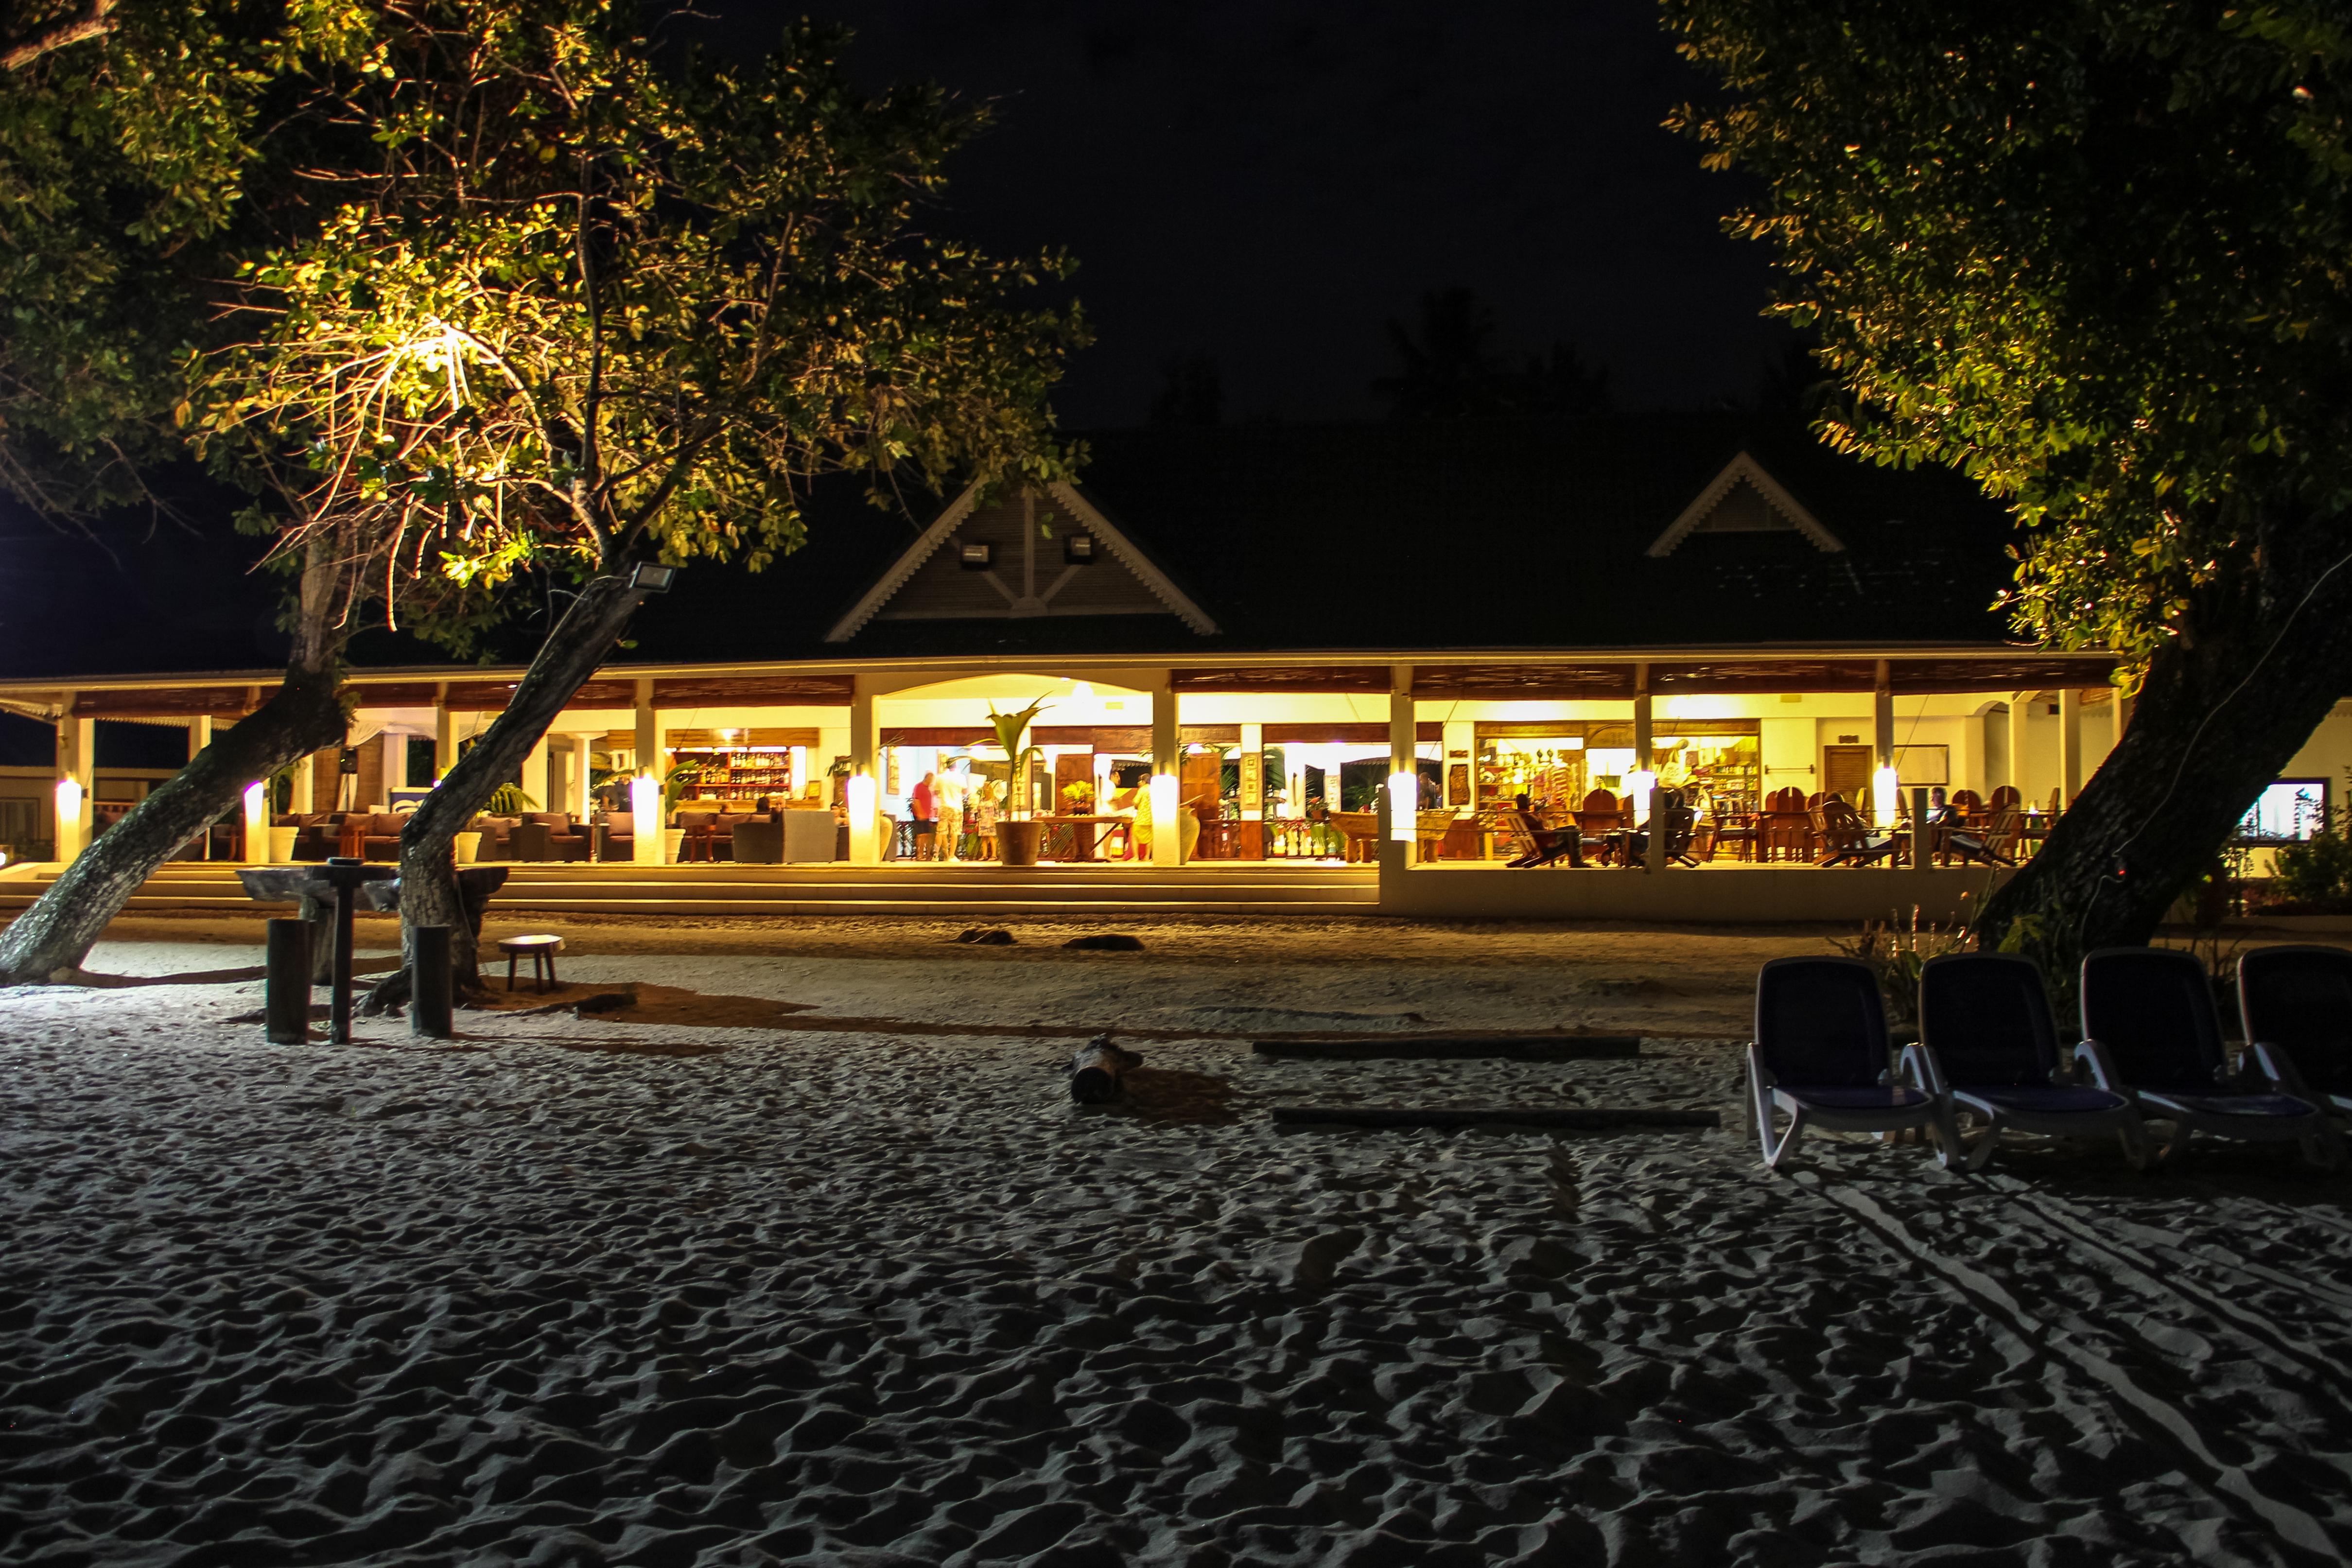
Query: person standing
925, 803
950, 797
984, 809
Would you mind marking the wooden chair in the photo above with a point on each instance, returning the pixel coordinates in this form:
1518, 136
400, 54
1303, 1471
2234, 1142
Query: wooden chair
1544, 845
1969, 804
1600, 815
2005, 796
1995, 844
1845, 840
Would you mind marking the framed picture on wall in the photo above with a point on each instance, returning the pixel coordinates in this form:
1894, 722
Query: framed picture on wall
1923, 764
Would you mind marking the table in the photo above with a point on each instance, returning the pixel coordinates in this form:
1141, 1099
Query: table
342, 884
337, 880
541, 951
1084, 828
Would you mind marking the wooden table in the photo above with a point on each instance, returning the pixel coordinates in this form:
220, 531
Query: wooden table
1084, 828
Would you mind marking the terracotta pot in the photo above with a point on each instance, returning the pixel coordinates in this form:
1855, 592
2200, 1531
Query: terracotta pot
1017, 843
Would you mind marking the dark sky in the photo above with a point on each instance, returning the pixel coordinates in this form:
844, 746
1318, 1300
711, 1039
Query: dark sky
1268, 182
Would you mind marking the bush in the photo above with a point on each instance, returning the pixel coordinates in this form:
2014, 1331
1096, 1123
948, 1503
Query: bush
2316, 873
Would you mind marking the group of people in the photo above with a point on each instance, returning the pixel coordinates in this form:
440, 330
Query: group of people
946, 805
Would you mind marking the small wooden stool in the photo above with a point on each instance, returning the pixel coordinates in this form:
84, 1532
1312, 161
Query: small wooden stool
542, 950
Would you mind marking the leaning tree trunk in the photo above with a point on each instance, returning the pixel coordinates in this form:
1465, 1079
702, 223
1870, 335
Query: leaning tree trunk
49, 940
428, 870
2217, 721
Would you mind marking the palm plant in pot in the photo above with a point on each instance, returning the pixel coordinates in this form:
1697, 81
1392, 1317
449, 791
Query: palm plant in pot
1019, 835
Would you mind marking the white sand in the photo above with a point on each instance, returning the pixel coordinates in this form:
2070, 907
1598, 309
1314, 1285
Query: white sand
872, 1298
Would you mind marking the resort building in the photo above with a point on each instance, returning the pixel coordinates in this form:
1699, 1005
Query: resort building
1346, 652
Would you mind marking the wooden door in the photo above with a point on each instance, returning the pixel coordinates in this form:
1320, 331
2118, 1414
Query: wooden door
1845, 770
1201, 781
1069, 768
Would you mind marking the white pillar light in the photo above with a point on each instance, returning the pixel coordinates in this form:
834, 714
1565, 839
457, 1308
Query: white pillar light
865, 804
1884, 785
70, 838
1405, 806
644, 810
1639, 786
1166, 837
257, 823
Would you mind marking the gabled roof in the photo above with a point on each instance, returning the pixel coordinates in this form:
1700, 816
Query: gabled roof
900, 591
1771, 510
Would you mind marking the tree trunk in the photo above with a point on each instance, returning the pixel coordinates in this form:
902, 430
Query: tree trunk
2215, 723
428, 866
49, 940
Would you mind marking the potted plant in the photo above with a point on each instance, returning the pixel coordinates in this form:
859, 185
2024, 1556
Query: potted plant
1078, 797
1018, 836
675, 784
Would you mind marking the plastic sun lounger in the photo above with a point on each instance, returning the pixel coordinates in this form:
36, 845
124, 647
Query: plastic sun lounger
1988, 1045
2296, 1004
2150, 1034
1821, 1055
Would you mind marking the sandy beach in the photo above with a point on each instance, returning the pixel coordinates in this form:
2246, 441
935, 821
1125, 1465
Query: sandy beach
809, 1259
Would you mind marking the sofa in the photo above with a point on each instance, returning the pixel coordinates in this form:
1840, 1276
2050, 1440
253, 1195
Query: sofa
550, 835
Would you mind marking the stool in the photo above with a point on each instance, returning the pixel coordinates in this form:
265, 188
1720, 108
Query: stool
542, 950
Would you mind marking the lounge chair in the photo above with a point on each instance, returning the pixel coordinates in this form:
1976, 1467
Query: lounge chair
2296, 1004
1995, 844
1682, 822
2150, 1034
1546, 845
1844, 840
1821, 1054
1989, 1046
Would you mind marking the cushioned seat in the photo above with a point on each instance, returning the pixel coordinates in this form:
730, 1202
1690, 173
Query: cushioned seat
2048, 1098
1838, 1097
2230, 1104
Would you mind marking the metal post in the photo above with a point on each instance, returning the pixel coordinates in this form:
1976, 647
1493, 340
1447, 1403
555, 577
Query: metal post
338, 1006
431, 996
286, 993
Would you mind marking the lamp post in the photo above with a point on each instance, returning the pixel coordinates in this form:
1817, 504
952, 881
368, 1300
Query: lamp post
865, 801
256, 824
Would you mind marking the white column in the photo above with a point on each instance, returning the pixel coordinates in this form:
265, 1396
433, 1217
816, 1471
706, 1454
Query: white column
648, 819
76, 745
2123, 716
535, 776
1167, 775
302, 802
200, 734
2021, 743
582, 804
2070, 743
444, 733
1883, 783
865, 786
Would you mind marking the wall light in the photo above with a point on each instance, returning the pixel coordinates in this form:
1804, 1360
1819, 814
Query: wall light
652, 577
1167, 841
68, 800
1404, 807
1885, 789
645, 819
865, 803
1639, 786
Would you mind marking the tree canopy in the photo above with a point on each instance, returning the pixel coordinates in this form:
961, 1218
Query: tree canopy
2094, 255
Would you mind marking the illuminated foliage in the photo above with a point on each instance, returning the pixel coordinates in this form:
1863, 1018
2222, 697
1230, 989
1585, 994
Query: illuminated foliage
2094, 255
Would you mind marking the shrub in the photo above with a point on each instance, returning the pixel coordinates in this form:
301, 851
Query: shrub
2317, 872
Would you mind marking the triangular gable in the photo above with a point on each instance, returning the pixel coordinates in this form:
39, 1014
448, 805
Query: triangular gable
1744, 498
1028, 575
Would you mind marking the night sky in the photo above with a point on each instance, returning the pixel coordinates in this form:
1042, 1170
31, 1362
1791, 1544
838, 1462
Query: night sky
1268, 182
1264, 183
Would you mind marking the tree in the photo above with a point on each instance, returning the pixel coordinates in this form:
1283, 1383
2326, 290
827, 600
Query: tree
464, 291
1447, 368
127, 142
589, 309
2094, 256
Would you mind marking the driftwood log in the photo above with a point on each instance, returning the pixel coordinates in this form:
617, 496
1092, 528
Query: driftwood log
1098, 1071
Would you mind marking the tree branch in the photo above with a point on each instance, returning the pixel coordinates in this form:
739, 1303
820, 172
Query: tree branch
97, 24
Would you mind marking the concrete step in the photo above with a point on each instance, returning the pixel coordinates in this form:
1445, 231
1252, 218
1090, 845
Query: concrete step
976, 891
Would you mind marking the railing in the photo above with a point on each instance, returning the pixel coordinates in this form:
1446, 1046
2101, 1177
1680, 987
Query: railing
1295, 838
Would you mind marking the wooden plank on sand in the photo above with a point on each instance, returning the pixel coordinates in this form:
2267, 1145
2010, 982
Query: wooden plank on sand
1575, 1117
1456, 1047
